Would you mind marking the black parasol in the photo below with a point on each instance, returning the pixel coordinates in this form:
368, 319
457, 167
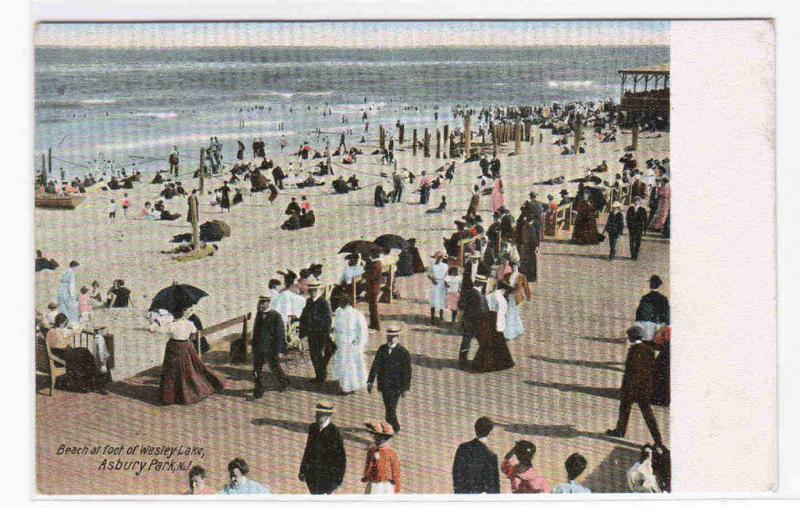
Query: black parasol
177, 298
364, 248
390, 241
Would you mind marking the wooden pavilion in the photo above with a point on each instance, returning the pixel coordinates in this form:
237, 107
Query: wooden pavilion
645, 89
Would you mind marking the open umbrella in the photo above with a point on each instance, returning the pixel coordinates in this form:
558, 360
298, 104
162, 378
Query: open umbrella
364, 248
390, 241
177, 298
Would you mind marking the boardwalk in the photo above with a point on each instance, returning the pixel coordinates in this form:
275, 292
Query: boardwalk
561, 395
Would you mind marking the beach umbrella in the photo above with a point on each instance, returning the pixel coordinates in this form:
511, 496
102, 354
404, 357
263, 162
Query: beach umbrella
363, 247
177, 298
390, 241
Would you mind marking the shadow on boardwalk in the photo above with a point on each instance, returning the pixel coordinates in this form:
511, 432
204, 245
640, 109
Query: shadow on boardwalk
348, 433
615, 366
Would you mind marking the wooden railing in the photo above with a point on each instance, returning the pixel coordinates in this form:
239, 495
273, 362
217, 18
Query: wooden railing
238, 348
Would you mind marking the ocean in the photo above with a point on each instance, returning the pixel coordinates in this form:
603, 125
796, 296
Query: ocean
134, 105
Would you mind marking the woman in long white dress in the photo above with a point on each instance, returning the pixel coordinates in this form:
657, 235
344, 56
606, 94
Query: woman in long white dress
351, 335
438, 294
68, 295
514, 326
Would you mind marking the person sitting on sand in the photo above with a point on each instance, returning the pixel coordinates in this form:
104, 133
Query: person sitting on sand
292, 208
353, 183
441, 208
340, 186
163, 213
118, 295
307, 218
237, 197
293, 222
601, 168
43, 263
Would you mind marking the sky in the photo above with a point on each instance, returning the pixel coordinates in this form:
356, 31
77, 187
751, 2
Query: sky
355, 34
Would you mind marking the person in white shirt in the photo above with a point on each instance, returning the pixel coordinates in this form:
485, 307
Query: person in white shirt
575, 466
438, 292
640, 476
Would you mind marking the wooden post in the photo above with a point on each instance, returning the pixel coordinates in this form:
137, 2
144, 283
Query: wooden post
635, 137
50, 160
578, 134
382, 137
202, 171
438, 144
44, 165
467, 135
402, 133
494, 139
541, 136
426, 144
518, 138
445, 136
415, 142
194, 216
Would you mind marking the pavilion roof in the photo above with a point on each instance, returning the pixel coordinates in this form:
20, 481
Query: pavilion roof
659, 69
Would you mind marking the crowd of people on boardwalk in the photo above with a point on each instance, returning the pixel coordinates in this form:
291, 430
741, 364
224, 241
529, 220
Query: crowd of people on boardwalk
482, 276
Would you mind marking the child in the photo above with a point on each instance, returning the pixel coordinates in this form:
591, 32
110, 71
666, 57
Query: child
126, 203
575, 465
382, 468
84, 305
304, 204
112, 211
452, 282
96, 296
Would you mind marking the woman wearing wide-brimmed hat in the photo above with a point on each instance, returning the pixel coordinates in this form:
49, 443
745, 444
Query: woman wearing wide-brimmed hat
382, 469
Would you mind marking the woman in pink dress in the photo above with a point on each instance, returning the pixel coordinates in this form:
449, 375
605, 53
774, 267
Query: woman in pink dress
498, 198
660, 218
518, 467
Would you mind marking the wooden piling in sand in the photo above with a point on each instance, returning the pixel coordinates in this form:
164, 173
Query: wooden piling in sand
635, 137
494, 139
426, 143
194, 216
402, 133
518, 138
382, 137
438, 144
415, 142
452, 144
50, 160
578, 134
467, 135
44, 168
202, 171
541, 137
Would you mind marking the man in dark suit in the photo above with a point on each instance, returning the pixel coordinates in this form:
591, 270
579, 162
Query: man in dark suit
615, 226
472, 305
392, 367
315, 325
324, 460
269, 343
653, 307
638, 187
636, 217
637, 385
475, 467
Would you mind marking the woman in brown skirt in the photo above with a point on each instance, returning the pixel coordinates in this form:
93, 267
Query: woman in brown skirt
493, 353
184, 377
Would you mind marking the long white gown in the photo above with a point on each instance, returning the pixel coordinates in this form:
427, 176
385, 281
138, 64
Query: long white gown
438, 293
514, 325
68, 297
351, 335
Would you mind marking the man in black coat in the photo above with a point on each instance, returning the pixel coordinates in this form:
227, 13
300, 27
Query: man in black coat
636, 217
315, 325
278, 176
472, 305
475, 467
392, 367
324, 460
637, 385
615, 226
269, 342
653, 307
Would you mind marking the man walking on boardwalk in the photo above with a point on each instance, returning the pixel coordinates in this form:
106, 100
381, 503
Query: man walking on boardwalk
392, 368
324, 460
475, 466
636, 217
315, 325
269, 342
637, 385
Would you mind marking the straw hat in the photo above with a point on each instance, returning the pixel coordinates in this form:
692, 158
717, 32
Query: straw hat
380, 428
479, 279
313, 283
324, 406
394, 330
616, 204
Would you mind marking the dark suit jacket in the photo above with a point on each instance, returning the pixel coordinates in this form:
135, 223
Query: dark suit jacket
315, 320
324, 460
653, 307
475, 469
637, 381
637, 220
616, 224
473, 306
392, 370
269, 335
638, 189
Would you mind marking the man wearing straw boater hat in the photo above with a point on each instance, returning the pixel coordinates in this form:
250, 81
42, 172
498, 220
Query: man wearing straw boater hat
324, 460
315, 325
392, 368
269, 342
615, 225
